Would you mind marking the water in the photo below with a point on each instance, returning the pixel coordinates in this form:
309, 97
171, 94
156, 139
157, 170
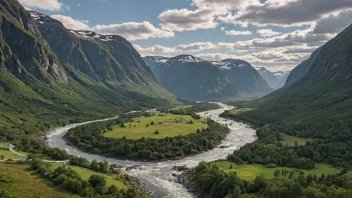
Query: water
158, 175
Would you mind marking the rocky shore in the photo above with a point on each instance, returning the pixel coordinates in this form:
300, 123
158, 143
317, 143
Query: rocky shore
118, 169
183, 179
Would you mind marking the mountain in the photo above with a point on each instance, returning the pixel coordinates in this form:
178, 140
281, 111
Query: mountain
154, 61
52, 76
302, 69
244, 77
276, 80
317, 97
108, 59
190, 77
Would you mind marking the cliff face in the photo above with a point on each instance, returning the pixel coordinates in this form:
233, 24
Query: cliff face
22, 47
108, 59
51, 76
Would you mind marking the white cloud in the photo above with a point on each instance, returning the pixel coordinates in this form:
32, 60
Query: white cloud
130, 30
71, 23
186, 20
229, 4
298, 37
334, 23
155, 50
183, 48
267, 32
285, 12
194, 47
238, 33
51, 5
134, 31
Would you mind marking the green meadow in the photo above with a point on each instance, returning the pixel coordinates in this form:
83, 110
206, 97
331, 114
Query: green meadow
251, 171
167, 125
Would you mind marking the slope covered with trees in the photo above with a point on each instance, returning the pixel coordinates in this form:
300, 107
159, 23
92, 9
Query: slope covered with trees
315, 105
46, 82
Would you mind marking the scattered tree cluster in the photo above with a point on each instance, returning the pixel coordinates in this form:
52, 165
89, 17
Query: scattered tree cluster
69, 180
212, 182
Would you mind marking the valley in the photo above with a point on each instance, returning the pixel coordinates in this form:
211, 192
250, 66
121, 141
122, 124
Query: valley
175, 99
158, 176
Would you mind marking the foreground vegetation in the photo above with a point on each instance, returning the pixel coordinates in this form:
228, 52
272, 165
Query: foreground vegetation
213, 182
250, 171
90, 185
17, 181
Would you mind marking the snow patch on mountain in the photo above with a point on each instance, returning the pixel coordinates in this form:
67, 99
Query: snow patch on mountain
228, 65
185, 59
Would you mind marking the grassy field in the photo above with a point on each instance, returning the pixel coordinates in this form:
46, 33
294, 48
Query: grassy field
181, 107
250, 171
6, 145
5, 154
239, 111
168, 125
85, 174
15, 180
290, 140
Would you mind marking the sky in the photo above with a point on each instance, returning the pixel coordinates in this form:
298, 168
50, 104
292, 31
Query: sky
275, 34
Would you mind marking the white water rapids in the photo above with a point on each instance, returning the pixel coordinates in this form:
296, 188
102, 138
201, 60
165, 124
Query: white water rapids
158, 175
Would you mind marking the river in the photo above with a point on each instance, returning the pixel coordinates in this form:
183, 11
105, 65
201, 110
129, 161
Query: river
158, 175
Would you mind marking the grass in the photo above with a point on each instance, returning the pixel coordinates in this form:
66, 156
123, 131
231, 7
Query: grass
85, 174
6, 154
239, 111
6, 145
15, 180
251, 171
168, 125
290, 140
181, 107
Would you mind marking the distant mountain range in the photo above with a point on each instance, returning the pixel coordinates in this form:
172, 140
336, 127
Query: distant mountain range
276, 80
190, 77
50, 75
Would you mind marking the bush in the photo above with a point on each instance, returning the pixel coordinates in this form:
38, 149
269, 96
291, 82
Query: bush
271, 166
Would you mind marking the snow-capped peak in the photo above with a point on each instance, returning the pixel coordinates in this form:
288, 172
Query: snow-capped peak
186, 59
158, 59
91, 35
229, 64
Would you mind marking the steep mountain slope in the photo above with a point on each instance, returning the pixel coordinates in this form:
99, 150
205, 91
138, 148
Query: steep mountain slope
192, 78
40, 90
244, 77
318, 104
276, 80
109, 59
302, 69
23, 48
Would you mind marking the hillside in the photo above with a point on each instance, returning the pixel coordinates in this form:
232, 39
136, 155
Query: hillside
190, 77
305, 126
50, 78
244, 77
321, 97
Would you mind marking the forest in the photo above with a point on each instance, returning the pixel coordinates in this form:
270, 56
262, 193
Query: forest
212, 182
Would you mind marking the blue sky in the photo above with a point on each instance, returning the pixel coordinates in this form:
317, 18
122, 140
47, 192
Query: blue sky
277, 34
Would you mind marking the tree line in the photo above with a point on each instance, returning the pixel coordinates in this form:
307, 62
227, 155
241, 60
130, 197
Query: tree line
212, 182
